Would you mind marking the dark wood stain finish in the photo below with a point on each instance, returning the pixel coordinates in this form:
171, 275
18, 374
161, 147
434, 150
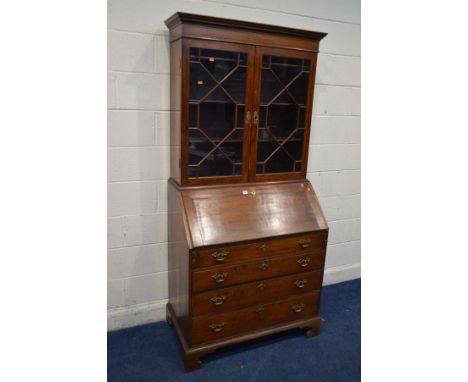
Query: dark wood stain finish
245, 212
259, 291
254, 317
260, 249
265, 268
178, 247
246, 249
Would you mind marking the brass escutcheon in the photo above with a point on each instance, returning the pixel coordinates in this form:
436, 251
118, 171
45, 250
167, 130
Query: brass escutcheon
217, 327
219, 277
300, 283
264, 247
260, 310
305, 243
304, 262
220, 256
297, 308
261, 286
218, 300
263, 266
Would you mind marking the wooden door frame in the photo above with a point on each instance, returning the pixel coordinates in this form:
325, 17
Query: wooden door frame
188, 43
289, 53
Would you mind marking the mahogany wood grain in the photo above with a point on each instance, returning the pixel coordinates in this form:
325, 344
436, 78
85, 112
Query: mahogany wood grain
178, 264
260, 52
184, 154
257, 220
244, 212
297, 244
193, 353
188, 30
242, 37
175, 116
259, 291
308, 117
254, 270
254, 317
206, 27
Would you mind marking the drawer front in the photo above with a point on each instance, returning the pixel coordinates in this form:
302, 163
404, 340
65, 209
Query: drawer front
254, 317
270, 267
234, 254
261, 291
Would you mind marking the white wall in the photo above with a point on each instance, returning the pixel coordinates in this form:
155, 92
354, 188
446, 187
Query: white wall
138, 138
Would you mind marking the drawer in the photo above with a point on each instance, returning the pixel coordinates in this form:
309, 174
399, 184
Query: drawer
223, 325
234, 254
270, 267
261, 291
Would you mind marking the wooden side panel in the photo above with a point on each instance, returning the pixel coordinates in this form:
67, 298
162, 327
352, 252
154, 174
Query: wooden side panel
308, 118
175, 105
178, 259
319, 215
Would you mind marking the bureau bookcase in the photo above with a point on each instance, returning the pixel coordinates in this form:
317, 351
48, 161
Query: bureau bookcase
247, 236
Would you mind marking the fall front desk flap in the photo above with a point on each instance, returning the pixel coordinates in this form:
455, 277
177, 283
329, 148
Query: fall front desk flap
219, 215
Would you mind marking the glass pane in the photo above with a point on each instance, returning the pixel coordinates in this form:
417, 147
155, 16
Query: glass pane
294, 145
279, 162
221, 63
200, 81
298, 89
282, 120
283, 100
235, 84
216, 112
240, 117
285, 69
270, 86
221, 161
265, 148
217, 119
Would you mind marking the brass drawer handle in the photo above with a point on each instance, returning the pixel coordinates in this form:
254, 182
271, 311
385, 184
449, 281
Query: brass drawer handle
220, 256
219, 277
297, 308
305, 243
300, 283
263, 266
264, 247
304, 262
255, 118
247, 118
218, 300
261, 286
216, 328
260, 310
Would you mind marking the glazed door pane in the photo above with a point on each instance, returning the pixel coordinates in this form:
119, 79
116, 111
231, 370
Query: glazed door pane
282, 106
217, 112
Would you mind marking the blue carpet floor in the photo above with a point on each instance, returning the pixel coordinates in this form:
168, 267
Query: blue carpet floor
152, 352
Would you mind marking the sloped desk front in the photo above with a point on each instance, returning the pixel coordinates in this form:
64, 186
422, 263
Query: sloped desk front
244, 261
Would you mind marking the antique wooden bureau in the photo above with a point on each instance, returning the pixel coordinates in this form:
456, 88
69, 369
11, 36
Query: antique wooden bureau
247, 236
